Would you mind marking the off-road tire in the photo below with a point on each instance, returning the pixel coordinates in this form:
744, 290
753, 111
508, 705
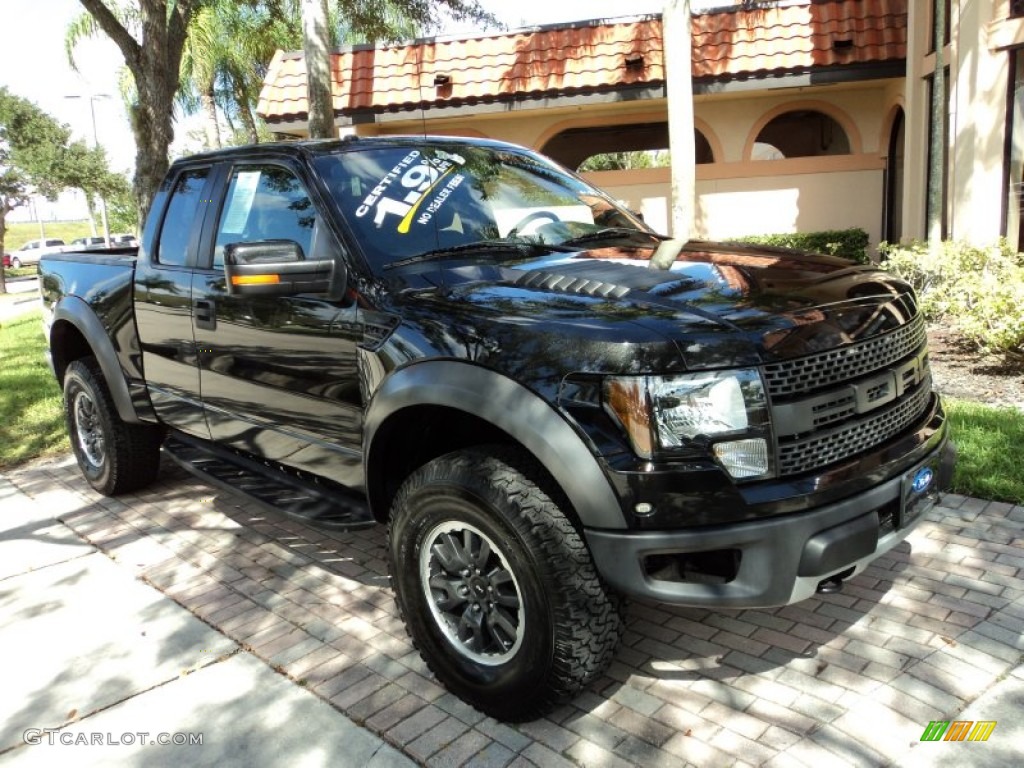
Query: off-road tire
115, 456
526, 660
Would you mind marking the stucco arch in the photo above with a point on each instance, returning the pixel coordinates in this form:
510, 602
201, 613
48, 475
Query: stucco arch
826, 108
457, 131
567, 125
895, 107
595, 121
716, 145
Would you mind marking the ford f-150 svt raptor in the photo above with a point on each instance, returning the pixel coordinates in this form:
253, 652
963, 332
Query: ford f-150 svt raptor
548, 405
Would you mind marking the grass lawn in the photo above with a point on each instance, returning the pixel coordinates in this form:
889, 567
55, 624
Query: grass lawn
990, 464
990, 440
31, 414
19, 234
28, 271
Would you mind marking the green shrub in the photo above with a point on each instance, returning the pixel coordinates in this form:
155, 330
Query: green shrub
848, 243
980, 290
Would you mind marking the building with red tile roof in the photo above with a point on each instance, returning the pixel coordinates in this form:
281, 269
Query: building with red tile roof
810, 114
835, 41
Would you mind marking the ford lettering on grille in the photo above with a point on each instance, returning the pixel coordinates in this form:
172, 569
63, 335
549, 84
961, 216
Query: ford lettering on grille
809, 414
832, 425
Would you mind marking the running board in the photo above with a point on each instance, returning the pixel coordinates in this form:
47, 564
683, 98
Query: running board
323, 504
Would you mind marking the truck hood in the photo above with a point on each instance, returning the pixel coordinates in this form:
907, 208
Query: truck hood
719, 305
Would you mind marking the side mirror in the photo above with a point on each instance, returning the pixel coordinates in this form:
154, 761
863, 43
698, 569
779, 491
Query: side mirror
275, 268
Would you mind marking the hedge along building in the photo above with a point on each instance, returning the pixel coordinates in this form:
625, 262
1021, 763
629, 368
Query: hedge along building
808, 115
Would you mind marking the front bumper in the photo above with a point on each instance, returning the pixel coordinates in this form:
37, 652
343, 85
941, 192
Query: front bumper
779, 560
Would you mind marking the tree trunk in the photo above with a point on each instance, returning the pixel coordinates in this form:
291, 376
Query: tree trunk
318, 69
155, 63
937, 139
211, 125
252, 133
676, 33
153, 136
91, 208
3, 236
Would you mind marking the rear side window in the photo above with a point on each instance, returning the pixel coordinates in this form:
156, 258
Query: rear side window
185, 205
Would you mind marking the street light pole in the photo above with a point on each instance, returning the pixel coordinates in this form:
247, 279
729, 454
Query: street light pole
96, 143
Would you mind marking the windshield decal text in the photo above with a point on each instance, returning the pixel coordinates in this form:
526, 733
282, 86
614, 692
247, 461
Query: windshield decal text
416, 181
437, 202
378, 191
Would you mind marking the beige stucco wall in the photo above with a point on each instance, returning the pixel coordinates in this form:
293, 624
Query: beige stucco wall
530, 123
802, 194
977, 125
978, 78
816, 197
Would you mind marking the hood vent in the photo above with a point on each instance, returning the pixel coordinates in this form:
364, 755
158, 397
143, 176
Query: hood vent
549, 281
594, 277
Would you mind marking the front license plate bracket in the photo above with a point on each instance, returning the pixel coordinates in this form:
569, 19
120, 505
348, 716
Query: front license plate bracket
919, 492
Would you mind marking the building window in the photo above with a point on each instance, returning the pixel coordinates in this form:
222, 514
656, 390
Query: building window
619, 147
800, 133
931, 24
1013, 225
944, 204
892, 229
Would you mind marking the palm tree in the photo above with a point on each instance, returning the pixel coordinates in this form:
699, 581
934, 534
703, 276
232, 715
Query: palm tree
383, 21
240, 38
679, 75
199, 61
315, 42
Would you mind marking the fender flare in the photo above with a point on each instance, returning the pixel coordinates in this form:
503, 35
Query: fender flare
515, 410
76, 312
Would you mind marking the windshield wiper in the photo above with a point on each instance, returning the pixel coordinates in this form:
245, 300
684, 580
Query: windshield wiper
522, 247
609, 233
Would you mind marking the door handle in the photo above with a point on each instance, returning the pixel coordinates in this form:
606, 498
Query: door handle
204, 313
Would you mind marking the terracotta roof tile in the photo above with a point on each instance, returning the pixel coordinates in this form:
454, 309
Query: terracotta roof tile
594, 56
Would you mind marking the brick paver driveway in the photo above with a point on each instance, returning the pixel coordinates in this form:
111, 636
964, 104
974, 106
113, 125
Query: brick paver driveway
851, 678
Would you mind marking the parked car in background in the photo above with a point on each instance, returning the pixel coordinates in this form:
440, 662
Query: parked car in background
88, 243
123, 241
31, 251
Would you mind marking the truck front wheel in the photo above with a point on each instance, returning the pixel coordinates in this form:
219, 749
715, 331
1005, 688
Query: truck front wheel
115, 456
496, 586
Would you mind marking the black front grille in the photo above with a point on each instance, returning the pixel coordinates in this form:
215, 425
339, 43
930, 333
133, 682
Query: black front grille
823, 448
794, 377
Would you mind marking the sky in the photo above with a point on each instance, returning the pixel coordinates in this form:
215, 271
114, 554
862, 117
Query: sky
33, 65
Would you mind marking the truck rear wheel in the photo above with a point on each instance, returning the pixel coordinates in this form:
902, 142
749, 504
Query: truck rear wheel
496, 586
115, 456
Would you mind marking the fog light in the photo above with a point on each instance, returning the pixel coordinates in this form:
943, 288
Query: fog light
743, 458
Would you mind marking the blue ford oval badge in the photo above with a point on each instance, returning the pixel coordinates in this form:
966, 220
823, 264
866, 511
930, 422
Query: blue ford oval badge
922, 480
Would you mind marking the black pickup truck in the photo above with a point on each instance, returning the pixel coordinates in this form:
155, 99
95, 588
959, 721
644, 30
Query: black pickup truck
550, 406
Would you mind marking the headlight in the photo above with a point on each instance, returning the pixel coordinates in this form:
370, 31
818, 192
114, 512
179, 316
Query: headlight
720, 414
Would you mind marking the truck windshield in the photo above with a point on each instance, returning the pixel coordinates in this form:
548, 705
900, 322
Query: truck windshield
405, 202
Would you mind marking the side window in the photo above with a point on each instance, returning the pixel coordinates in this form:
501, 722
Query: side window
265, 202
180, 217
